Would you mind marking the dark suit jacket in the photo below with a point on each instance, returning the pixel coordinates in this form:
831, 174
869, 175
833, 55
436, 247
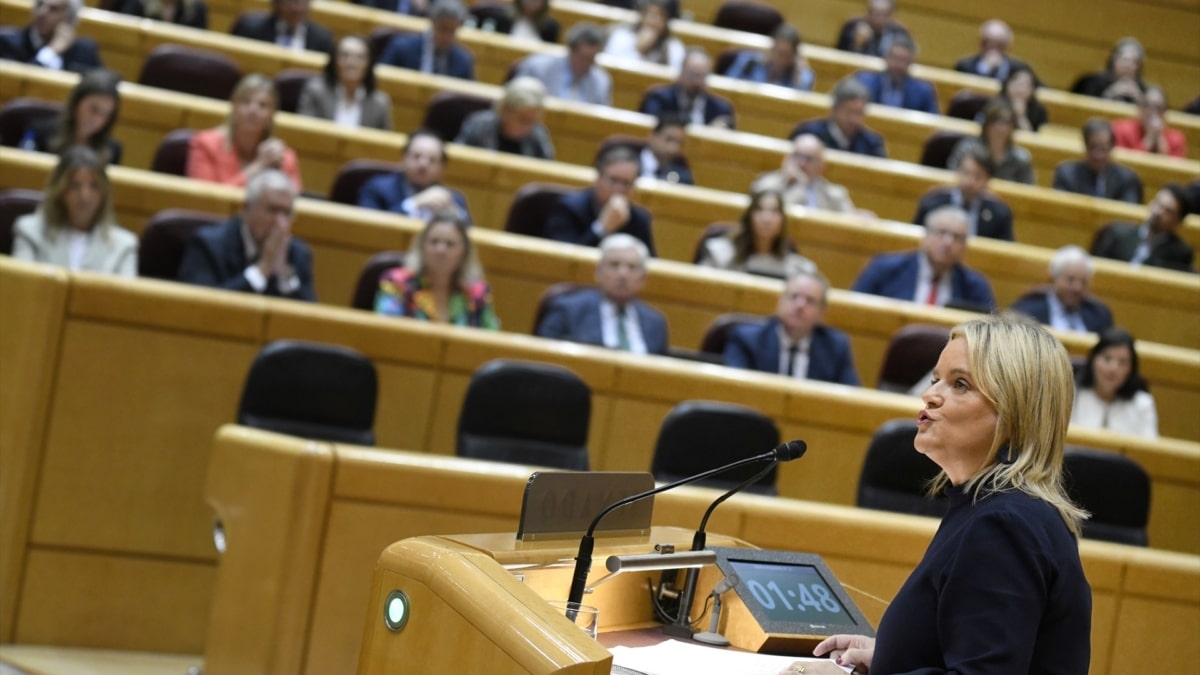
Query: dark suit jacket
995, 218
317, 38
756, 347
970, 64
867, 142
571, 220
576, 317
873, 47
894, 275
1095, 314
1119, 241
405, 51
1119, 182
80, 57
387, 191
664, 100
918, 94
216, 257
401, 6
197, 19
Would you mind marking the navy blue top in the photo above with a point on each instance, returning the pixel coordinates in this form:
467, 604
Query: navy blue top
1000, 591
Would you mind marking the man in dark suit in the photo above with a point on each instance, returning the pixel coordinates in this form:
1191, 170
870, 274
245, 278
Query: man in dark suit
1097, 175
587, 216
689, 96
50, 40
417, 190
794, 342
288, 25
1154, 242
254, 252
933, 274
987, 215
844, 129
894, 86
662, 158
437, 50
865, 34
610, 315
995, 38
1066, 303
409, 7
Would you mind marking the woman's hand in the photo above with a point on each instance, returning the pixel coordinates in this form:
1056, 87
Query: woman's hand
848, 650
270, 153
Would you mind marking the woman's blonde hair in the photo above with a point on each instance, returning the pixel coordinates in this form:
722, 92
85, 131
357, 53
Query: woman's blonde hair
469, 270
54, 204
251, 84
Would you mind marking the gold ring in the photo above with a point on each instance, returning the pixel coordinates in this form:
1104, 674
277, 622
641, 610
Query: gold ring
798, 668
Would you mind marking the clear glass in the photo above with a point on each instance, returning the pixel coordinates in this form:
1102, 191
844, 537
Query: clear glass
586, 617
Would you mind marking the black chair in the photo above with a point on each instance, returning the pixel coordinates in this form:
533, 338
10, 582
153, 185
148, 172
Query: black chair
912, 352
353, 174
447, 111
966, 104
530, 207
368, 279
190, 70
171, 156
1115, 489
312, 390
22, 113
936, 152
700, 435
288, 85
14, 203
526, 413
894, 475
751, 17
164, 239
717, 334
486, 15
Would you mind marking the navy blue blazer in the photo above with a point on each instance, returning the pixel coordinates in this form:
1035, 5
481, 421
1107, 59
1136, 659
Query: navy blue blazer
894, 275
215, 256
995, 218
918, 94
386, 192
866, 142
664, 100
264, 27
80, 57
405, 51
755, 346
1095, 314
1119, 182
576, 317
571, 219
400, 6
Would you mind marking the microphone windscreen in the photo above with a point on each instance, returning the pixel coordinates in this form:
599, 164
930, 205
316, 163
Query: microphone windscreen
791, 450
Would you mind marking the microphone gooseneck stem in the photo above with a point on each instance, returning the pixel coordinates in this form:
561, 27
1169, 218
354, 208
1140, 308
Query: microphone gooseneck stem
583, 565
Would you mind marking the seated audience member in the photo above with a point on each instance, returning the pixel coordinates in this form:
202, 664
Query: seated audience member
1066, 304
50, 40
1109, 393
407, 7
995, 39
934, 274
1156, 242
586, 216
74, 226
761, 245
244, 145
441, 280
845, 129
191, 13
573, 76
254, 252
663, 158
1121, 79
527, 20
801, 179
1009, 161
288, 25
672, 6
987, 214
87, 119
610, 315
1148, 132
689, 96
436, 51
894, 86
795, 342
346, 92
1096, 175
515, 124
865, 34
649, 39
416, 190
781, 65
1020, 90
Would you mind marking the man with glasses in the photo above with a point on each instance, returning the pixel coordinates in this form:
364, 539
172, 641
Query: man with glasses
801, 179
588, 215
1148, 132
1096, 175
934, 274
50, 40
689, 95
1156, 242
987, 215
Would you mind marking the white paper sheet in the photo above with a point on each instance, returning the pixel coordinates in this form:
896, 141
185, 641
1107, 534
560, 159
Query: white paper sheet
675, 656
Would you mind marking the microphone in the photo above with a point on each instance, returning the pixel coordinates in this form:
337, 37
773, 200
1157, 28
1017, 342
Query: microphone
784, 452
712, 636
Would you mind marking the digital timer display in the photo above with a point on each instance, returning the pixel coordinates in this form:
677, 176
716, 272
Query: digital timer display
787, 592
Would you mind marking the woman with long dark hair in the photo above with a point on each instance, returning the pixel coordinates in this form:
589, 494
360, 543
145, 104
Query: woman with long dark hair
1110, 392
346, 91
87, 118
761, 244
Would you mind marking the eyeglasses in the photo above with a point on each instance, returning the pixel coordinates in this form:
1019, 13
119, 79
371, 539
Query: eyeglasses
50, 7
938, 233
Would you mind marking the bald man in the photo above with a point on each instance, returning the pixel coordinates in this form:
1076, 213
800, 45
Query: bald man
801, 179
995, 38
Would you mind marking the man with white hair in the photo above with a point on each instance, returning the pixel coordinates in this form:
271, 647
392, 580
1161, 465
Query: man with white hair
50, 40
1066, 303
995, 38
801, 179
514, 124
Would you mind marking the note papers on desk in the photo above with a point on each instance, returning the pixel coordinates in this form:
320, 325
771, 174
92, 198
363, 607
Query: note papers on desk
674, 656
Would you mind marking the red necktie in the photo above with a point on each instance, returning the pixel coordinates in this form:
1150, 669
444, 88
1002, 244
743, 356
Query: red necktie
933, 290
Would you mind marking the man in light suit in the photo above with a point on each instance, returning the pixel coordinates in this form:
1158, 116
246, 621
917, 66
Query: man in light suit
288, 25
894, 86
934, 274
586, 216
417, 190
50, 40
1066, 304
610, 315
573, 76
254, 252
1097, 175
795, 342
987, 215
689, 96
801, 179
437, 50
